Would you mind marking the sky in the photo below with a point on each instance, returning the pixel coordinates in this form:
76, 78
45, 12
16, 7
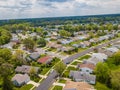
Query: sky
14, 9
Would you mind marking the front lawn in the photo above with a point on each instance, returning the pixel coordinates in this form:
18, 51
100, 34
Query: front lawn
44, 71
75, 63
66, 73
58, 88
62, 81
25, 87
84, 57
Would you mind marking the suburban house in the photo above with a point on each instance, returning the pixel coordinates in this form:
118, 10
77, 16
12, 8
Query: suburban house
87, 67
94, 40
9, 45
45, 60
87, 43
26, 69
67, 49
20, 79
79, 76
70, 85
65, 41
54, 45
93, 60
108, 53
15, 38
100, 56
34, 56
76, 45
113, 49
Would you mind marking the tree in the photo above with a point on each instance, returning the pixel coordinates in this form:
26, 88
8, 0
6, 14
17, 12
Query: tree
102, 72
100, 86
29, 44
18, 58
115, 79
32, 71
60, 68
116, 58
5, 53
5, 36
5, 71
64, 33
41, 42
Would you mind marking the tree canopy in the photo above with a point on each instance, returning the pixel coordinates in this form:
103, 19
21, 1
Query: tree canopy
5, 36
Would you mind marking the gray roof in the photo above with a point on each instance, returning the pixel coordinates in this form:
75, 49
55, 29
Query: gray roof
19, 78
34, 55
82, 76
25, 69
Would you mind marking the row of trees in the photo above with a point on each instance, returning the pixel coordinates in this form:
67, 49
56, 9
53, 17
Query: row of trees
91, 26
5, 36
108, 73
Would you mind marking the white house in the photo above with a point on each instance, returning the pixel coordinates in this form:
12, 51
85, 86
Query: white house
87, 67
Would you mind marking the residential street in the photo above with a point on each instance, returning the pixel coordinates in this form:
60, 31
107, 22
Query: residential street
45, 85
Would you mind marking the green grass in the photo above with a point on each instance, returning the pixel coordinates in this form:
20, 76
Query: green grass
81, 49
66, 73
62, 81
100, 86
25, 87
75, 63
52, 49
84, 57
71, 68
44, 71
57, 88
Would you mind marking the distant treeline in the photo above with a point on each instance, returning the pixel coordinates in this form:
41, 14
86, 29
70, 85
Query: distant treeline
111, 18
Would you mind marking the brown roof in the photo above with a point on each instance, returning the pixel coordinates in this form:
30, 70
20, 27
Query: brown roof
88, 65
45, 59
78, 86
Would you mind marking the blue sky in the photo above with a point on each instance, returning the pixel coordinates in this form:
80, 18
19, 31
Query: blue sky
10, 9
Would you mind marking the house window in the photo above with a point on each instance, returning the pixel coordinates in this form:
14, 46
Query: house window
87, 70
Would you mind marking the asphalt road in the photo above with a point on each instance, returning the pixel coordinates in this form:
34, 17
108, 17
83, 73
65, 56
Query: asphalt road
75, 56
45, 85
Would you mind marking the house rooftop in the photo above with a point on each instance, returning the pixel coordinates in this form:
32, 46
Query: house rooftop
45, 59
70, 85
87, 65
25, 69
20, 78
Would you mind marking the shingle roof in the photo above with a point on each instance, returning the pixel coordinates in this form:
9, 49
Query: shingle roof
70, 85
34, 55
88, 65
20, 78
82, 76
45, 59
25, 69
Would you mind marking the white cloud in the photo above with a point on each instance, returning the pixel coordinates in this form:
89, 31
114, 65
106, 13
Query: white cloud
51, 8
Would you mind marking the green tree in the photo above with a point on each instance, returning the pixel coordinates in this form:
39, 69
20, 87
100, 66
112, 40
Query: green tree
5, 36
116, 58
5, 53
115, 79
60, 68
5, 71
64, 33
29, 44
41, 42
100, 86
102, 72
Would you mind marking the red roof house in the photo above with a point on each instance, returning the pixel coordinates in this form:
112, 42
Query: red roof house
45, 60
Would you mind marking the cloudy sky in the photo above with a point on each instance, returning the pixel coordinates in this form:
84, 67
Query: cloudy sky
53, 8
